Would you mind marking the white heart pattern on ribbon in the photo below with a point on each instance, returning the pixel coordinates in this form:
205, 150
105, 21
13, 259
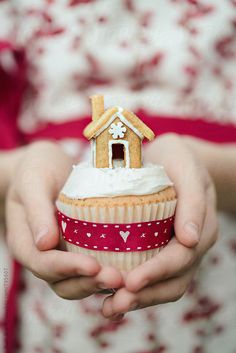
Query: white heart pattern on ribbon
124, 235
89, 235
63, 225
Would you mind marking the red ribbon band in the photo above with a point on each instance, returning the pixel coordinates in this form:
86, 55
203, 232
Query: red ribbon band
116, 237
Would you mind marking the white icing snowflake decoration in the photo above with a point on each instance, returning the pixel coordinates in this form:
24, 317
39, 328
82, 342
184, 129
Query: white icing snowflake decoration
117, 130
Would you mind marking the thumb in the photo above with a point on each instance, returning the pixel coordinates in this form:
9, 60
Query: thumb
40, 213
190, 212
189, 179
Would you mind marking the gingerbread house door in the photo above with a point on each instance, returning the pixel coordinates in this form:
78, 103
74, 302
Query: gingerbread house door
119, 154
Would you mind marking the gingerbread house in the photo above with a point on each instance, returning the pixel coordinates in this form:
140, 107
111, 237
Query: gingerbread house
116, 136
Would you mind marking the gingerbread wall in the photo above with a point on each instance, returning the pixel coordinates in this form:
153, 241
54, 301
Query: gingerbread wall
102, 147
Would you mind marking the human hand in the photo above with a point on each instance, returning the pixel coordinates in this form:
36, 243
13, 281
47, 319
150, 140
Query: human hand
32, 231
166, 277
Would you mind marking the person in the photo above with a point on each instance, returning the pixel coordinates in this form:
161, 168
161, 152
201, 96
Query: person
62, 53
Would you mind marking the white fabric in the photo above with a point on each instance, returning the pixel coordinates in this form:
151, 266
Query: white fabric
182, 61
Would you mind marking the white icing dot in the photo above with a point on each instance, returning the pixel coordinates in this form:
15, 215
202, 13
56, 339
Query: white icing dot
105, 247
68, 219
127, 248
139, 247
165, 221
95, 246
156, 244
70, 240
85, 244
128, 226
77, 242
105, 226
117, 226
148, 246
94, 225
117, 249
76, 222
84, 223
139, 225
149, 224
157, 222
162, 242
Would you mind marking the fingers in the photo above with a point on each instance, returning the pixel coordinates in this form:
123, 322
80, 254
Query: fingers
173, 260
71, 276
188, 177
55, 265
78, 288
109, 277
37, 187
51, 265
41, 218
210, 228
75, 288
190, 212
168, 291
40, 211
191, 205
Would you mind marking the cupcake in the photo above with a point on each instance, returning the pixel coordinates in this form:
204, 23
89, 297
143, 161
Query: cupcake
115, 207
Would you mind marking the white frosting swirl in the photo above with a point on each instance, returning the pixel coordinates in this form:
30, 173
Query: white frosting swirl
86, 181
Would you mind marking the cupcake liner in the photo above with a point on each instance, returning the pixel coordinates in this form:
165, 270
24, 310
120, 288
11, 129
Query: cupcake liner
118, 214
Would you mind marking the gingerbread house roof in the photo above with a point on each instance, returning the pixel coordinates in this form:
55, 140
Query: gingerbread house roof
127, 117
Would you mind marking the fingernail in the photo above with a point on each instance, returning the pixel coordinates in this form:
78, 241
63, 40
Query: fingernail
41, 233
193, 231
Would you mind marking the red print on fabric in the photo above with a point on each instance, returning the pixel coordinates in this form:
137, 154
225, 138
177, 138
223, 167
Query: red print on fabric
195, 11
205, 308
159, 349
233, 2
79, 2
225, 47
146, 18
107, 327
116, 237
129, 5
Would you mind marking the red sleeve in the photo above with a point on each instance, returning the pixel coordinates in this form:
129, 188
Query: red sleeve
12, 76
12, 86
